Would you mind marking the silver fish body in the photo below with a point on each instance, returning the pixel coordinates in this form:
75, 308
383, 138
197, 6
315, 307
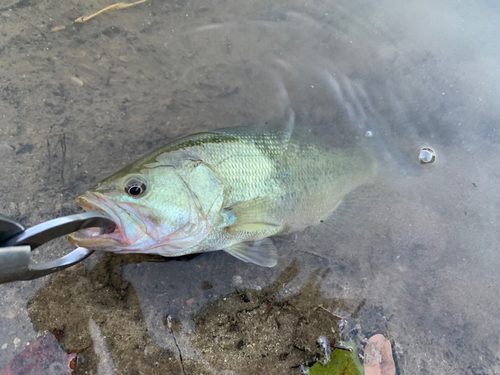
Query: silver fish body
229, 189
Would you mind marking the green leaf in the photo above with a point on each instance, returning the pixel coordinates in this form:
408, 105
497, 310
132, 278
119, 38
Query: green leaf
343, 362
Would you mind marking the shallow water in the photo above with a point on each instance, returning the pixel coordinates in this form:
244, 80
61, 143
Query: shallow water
412, 255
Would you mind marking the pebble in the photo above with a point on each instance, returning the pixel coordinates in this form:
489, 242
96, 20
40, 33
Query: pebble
58, 28
10, 314
237, 280
17, 341
4, 346
77, 80
6, 150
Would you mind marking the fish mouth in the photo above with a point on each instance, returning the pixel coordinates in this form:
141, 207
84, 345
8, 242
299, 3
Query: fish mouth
98, 238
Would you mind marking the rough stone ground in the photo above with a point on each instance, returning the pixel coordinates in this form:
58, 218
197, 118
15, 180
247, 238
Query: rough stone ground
413, 255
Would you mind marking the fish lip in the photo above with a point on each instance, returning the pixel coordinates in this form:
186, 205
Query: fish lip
96, 202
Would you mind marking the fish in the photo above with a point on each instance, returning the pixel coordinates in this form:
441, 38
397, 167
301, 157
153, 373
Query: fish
229, 189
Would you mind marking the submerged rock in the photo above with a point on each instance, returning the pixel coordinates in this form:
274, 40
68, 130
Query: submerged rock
43, 356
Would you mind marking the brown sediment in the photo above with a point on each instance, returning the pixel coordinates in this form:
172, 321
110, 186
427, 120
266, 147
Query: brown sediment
71, 298
252, 332
248, 331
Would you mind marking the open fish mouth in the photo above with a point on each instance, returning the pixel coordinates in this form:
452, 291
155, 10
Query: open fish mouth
97, 238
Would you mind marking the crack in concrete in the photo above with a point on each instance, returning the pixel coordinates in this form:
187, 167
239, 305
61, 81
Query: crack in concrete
169, 324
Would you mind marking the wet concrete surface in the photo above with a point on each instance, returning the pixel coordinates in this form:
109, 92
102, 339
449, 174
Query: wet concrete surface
412, 255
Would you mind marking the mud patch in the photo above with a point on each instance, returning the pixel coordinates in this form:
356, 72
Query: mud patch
71, 299
257, 332
272, 330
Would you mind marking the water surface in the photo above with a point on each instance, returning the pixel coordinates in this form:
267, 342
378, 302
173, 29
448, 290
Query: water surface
412, 255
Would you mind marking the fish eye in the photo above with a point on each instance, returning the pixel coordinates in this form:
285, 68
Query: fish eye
135, 188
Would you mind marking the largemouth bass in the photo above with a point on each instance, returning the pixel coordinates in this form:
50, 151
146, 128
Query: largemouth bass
228, 189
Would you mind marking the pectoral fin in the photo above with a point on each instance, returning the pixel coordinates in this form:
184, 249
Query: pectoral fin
251, 215
262, 253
